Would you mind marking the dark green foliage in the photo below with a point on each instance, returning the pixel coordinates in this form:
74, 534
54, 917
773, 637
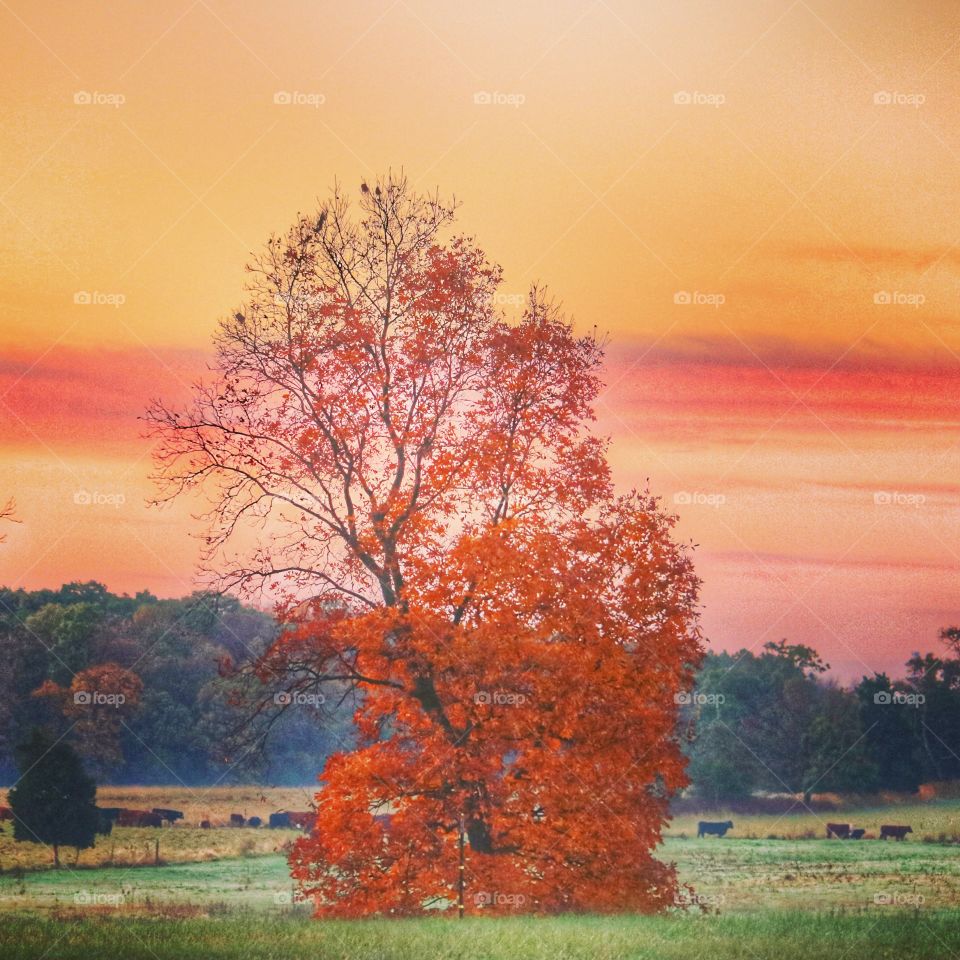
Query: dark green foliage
892, 734
184, 729
773, 723
768, 722
54, 801
780, 726
67, 634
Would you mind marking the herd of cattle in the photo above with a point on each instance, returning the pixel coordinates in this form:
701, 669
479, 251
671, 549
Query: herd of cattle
304, 820
847, 831
284, 819
835, 831
158, 816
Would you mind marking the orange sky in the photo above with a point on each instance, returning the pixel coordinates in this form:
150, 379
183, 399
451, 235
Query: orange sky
757, 200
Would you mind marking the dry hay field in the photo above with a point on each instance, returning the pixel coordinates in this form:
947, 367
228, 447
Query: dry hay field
933, 821
210, 803
226, 893
184, 842
768, 861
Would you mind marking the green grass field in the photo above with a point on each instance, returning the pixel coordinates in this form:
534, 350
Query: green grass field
754, 898
743, 876
785, 936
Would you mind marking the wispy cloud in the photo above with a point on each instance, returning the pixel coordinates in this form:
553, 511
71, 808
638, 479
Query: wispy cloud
904, 258
74, 396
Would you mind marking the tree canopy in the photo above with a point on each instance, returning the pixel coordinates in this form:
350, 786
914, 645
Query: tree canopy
147, 697
414, 478
54, 800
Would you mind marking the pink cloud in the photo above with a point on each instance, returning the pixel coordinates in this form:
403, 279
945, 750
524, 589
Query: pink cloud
68, 396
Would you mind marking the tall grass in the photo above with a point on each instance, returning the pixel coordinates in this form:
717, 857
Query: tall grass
136, 846
785, 936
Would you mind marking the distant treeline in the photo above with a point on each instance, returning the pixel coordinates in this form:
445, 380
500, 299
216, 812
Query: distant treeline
773, 722
138, 686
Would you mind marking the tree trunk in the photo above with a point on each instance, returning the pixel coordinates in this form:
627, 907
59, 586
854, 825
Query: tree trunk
461, 878
56, 856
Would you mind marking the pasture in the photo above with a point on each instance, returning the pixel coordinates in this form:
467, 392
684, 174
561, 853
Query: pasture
183, 843
727, 876
935, 821
136, 847
206, 803
771, 892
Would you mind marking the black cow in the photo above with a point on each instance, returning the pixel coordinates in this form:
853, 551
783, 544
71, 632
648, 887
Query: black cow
134, 818
895, 831
857, 833
714, 828
104, 822
170, 815
138, 818
254, 822
279, 820
839, 830
237, 820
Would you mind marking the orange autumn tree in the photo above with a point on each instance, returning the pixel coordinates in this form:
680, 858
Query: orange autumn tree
97, 704
415, 479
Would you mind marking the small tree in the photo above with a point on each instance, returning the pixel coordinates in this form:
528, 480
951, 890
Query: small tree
54, 800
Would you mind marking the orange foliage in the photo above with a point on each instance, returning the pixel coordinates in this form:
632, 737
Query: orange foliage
445, 541
96, 702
